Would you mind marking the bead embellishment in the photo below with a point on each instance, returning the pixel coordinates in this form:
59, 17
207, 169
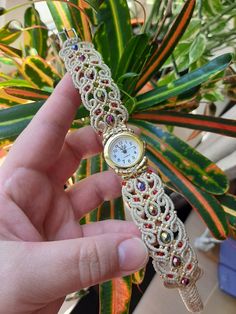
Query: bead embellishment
85, 64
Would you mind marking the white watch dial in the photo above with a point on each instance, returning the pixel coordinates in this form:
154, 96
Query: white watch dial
125, 151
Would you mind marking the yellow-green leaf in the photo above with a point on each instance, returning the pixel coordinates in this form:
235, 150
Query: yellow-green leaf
39, 72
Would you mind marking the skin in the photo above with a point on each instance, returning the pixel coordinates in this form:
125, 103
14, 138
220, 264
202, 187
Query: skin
45, 253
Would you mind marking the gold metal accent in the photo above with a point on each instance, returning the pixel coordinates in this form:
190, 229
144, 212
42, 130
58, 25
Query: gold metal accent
119, 169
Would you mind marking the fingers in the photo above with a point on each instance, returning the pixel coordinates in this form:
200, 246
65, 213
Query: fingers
70, 265
40, 143
110, 226
78, 145
93, 191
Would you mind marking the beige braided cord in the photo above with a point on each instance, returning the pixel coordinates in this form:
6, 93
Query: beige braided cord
152, 210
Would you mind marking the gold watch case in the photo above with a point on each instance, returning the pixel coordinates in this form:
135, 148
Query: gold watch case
114, 138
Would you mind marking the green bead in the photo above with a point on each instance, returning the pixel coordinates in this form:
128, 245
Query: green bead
165, 237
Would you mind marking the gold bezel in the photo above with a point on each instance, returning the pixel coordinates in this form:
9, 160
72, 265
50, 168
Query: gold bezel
113, 138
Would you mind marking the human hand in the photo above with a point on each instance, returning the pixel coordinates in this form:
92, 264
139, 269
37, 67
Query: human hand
45, 253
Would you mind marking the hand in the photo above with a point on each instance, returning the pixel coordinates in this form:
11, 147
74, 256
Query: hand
45, 253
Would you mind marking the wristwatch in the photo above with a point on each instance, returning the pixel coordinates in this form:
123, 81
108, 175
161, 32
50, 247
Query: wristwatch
143, 192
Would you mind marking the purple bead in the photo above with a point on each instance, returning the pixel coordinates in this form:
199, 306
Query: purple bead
141, 186
110, 119
75, 47
185, 281
176, 262
82, 58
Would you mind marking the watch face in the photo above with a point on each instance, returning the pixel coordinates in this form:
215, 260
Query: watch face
124, 150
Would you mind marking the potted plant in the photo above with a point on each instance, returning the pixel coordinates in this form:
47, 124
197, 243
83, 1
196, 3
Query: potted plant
158, 88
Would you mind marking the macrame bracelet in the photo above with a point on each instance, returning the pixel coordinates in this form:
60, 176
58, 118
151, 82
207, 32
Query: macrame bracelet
151, 208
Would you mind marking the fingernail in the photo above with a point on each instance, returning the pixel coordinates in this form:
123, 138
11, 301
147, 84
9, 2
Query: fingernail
133, 254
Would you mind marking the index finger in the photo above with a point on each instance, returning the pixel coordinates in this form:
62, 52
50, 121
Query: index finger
40, 143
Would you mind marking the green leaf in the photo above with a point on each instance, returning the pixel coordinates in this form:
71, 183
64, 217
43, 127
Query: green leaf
38, 36
39, 72
197, 168
225, 127
185, 83
206, 205
10, 51
138, 277
10, 32
114, 31
61, 15
197, 48
115, 296
27, 93
162, 52
95, 4
14, 120
7, 61
228, 202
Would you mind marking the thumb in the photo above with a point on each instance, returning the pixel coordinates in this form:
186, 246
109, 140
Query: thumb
63, 267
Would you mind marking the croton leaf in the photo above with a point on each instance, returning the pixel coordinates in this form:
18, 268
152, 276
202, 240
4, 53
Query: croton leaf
206, 204
138, 277
228, 202
115, 296
27, 93
161, 53
183, 84
133, 59
8, 34
37, 36
39, 72
114, 31
61, 15
10, 51
95, 4
192, 121
197, 168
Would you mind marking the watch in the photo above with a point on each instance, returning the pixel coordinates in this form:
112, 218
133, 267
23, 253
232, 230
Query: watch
142, 189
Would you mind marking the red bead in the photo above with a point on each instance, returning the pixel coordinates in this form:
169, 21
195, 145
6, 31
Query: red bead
170, 276
136, 199
180, 244
176, 262
98, 111
154, 192
160, 254
124, 183
149, 226
77, 69
149, 171
114, 105
167, 217
189, 266
154, 212
185, 281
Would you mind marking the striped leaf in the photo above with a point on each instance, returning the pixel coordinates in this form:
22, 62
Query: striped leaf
10, 51
39, 72
9, 34
115, 296
114, 31
133, 60
13, 120
138, 277
192, 121
228, 202
27, 93
184, 84
95, 4
161, 53
37, 36
9, 100
194, 166
206, 204
61, 15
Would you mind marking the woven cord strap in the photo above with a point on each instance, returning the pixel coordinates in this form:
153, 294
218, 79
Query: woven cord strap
164, 235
